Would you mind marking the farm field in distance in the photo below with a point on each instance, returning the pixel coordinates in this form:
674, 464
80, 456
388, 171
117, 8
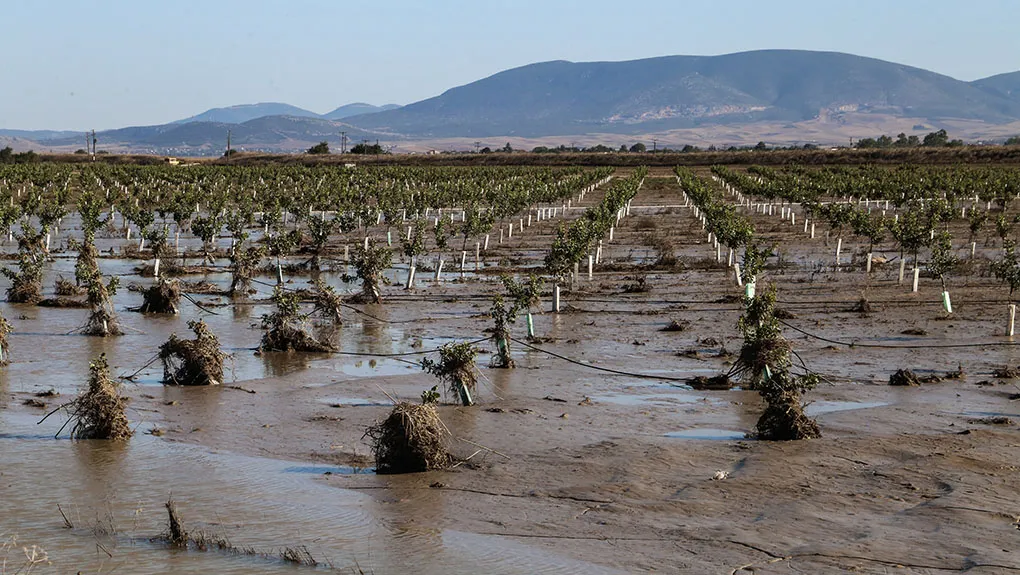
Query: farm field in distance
610, 446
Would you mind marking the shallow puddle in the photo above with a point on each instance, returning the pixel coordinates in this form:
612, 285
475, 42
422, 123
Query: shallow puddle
707, 434
822, 407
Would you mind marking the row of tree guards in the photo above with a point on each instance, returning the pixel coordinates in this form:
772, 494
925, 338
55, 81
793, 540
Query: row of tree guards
941, 261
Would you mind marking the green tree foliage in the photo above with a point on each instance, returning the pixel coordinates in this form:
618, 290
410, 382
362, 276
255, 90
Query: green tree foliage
320, 148
368, 149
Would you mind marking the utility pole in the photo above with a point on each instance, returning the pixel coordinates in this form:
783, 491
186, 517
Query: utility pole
228, 144
343, 142
655, 145
94, 145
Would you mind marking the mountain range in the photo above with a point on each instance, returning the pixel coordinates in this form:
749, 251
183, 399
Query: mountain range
245, 112
775, 95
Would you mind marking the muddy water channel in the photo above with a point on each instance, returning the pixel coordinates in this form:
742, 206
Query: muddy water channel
112, 493
563, 467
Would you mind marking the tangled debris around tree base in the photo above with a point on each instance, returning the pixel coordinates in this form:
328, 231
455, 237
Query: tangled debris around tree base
162, 297
98, 413
784, 420
411, 439
288, 337
64, 287
196, 361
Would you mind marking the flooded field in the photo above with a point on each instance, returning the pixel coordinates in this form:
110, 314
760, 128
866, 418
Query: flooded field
597, 458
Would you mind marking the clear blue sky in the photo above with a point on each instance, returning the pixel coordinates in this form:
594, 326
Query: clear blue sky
80, 64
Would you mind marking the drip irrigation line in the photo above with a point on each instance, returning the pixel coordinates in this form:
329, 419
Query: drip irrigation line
605, 369
198, 305
422, 352
376, 318
884, 346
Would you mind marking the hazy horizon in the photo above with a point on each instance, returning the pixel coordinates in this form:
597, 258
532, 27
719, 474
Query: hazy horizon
84, 65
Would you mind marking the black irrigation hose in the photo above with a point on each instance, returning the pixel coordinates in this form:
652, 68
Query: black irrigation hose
605, 369
423, 352
883, 346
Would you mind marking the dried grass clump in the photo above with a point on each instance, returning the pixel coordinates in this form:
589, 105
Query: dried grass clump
98, 413
196, 361
411, 439
162, 297
66, 287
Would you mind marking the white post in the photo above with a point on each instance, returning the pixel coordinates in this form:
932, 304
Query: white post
839, 247
736, 274
463, 260
439, 268
485, 246
591, 265
946, 302
868, 270
611, 230
973, 249
1012, 318
155, 269
812, 230
903, 268
556, 298
917, 276
410, 272
366, 243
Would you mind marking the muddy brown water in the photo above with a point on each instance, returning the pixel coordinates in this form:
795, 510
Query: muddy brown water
582, 471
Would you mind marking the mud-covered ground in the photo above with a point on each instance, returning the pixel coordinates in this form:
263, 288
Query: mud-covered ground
627, 472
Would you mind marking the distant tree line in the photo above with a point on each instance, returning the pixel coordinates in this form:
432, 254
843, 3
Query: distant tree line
641, 148
7, 156
939, 139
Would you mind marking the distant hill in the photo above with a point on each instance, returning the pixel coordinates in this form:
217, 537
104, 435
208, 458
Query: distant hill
1006, 85
673, 92
269, 133
771, 95
243, 113
355, 109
